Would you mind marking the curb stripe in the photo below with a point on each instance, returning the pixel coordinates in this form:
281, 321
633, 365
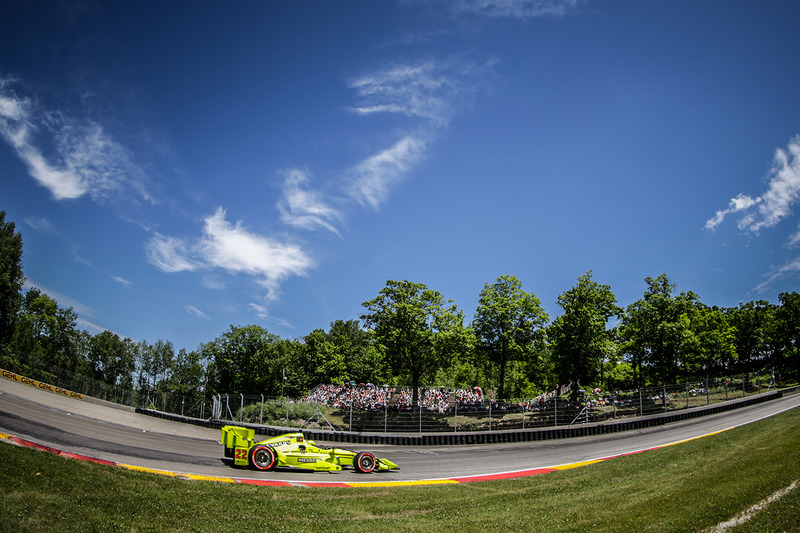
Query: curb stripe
354, 484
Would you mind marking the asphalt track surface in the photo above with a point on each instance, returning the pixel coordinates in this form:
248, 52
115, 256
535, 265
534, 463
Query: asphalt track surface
142, 442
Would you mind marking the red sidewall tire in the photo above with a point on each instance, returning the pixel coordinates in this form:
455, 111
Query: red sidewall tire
262, 458
365, 462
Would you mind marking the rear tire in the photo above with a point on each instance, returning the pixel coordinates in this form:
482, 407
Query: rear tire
262, 458
365, 462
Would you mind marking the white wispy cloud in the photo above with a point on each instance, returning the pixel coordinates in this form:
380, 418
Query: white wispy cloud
304, 208
83, 159
374, 177
428, 91
232, 248
767, 210
170, 254
737, 204
262, 312
521, 9
422, 90
42, 224
122, 281
192, 310
791, 267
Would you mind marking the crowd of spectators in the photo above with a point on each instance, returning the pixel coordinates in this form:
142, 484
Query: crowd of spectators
370, 397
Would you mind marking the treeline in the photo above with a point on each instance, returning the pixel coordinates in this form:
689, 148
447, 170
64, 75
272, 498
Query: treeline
410, 335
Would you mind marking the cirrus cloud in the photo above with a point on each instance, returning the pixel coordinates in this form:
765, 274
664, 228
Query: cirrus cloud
767, 210
83, 159
234, 249
304, 208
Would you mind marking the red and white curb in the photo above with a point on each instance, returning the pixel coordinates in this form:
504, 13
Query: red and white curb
276, 483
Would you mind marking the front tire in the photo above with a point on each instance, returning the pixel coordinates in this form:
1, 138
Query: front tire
262, 458
365, 462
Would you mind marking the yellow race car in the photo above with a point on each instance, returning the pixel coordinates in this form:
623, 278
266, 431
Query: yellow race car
292, 449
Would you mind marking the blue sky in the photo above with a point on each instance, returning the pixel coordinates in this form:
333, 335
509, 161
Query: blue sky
179, 167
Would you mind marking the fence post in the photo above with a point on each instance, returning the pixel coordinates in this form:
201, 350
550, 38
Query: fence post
261, 414
664, 398
744, 383
708, 394
641, 406
241, 409
555, 411
455, 417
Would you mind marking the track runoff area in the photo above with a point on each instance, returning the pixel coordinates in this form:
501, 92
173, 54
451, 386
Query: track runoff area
284, 483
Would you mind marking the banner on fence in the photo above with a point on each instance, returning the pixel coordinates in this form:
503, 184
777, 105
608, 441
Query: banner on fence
39, 384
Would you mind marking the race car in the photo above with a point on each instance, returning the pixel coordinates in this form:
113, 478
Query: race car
292, 449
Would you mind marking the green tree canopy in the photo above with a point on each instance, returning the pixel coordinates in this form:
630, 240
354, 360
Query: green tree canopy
753, 324
246, 360
112, 358
657, 330
787, 335
11, 278
45, 333
710, 348
579, 338
507, 323
417, 330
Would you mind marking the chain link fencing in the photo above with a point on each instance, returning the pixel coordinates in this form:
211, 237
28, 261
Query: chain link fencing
345, 411
383, 410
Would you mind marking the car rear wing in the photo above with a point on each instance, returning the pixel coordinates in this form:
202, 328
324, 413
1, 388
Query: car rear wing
234, 437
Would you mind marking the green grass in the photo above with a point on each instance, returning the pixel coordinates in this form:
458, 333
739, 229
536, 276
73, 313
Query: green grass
686, 487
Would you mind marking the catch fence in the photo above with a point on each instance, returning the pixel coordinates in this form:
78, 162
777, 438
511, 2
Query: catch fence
384, 410
345, 411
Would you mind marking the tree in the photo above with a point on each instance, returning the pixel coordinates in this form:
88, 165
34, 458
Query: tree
656, 329
112, 359
246, 360
507, 323
710, 348
416, 329
321, 361
787, 336
188, 373
579, 338
11, 278
363, 362
754, 326
45, 333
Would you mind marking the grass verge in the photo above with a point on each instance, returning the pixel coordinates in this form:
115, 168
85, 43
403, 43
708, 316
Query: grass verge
686, 487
